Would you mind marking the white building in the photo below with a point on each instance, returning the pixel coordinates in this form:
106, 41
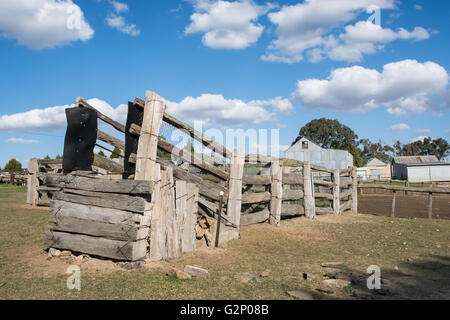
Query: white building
420, 169
305, 150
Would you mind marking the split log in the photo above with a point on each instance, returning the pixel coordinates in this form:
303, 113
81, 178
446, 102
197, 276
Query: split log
260, 197
32, 182
336, 192
107, 164
293, 178
109, 139
235, 187
190, 224
292, 210
307, 190
355, 191
254, 218
129, 187
256, 179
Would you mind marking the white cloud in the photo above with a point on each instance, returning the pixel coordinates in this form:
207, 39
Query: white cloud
227, 25
423, 131
400, 127
421, 138
116, 21
403, 87
21, 141
214, 109
309, 28
54, 118
418, 7
41, 24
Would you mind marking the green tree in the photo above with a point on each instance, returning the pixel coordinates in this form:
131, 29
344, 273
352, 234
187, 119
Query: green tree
58, 156
115, 154
356, 153
13, 164
101, 153
329, 134
428, 147
378, 150
47, 157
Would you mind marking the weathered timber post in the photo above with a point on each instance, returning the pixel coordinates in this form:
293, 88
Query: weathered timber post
157, 231
354, 191
406, 185
336, 192
148, 141
308, 200
430, 203
393, 205
235, 188
32, 182
172, 234
276, 193
190, 224
181, 211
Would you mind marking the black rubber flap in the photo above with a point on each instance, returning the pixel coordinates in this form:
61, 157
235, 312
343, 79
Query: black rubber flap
81, 136
135, 115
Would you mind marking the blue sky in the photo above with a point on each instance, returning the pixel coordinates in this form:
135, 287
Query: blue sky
239, 64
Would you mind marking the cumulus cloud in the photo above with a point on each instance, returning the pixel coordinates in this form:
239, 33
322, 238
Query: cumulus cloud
54, 118
309, 28
400, 127
226, 24
403, 87
117, 21
21, 141
418, 7
215, 109
40, 24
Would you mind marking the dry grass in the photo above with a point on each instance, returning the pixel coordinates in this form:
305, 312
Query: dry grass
420, 249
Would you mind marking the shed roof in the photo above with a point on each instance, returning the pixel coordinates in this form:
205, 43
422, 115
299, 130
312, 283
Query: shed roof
416, 159
375, 162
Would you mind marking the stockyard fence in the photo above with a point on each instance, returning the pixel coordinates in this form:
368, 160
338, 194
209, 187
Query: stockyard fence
164, 201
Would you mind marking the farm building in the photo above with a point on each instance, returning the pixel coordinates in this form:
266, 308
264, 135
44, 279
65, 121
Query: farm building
375, 169
305, 150
420, 169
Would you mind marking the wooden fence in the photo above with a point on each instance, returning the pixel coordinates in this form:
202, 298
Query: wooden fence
182, 201
430, 190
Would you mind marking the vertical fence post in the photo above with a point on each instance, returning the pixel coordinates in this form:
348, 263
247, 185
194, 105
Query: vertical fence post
354, 191
32, 181
156, 225
235, 187
308, 200
277, 193
393, 205
190, 225
430, 203
336, 192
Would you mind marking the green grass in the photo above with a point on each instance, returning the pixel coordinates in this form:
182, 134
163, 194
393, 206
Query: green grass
419, 248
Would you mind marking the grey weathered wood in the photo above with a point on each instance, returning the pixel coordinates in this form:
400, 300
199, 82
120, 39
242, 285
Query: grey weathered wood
115, 249
322, 182
293, 178
430, 204
322, 210
104, 200
190, 223
354, 191
107, 164
307, 190
158, 250
260, 197
172, 229
129, 187
345, 194
292, 210
205, 140
109, 139
347, 205
235, 187
32, 182
292, 195
256, 179
118, 126
346, 182
277, 193
393, 205
148, 141
254, 218
323, 195
336, 192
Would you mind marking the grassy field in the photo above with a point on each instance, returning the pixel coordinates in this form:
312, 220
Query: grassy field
413, 254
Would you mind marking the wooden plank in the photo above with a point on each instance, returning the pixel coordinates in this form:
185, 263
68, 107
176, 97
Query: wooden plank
336, 193
292, 194
355, 191
393, 205
254, 218
190, 224
32, 182
129, 187
158, 250
347, 205
277, 193
430, 205
205, 140
293, 178
235, 187
323, 195
115, 249
172, 230
292, 210
307, 191
256, 179
104, 200
345, 182
148, 141
321, 182
109, 139
80, 102
107, 164
321, 210
252, 198
345, 194
50, 162
181, 209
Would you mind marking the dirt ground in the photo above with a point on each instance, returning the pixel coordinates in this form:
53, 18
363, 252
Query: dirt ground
410, 206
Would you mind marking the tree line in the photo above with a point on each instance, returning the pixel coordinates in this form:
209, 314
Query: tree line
331, 134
